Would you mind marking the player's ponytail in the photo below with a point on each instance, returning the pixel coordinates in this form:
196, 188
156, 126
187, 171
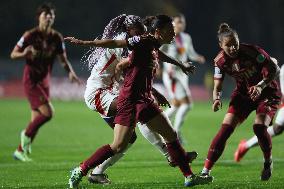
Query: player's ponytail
225, 30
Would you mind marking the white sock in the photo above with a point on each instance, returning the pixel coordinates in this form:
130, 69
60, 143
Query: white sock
180, 115
154, 138
270, 131
205, 171
254, 141
100, 169
170, 111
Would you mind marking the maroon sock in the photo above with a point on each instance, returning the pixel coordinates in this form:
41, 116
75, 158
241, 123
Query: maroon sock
179, 156
218, 145
34, 126
264, 140
20, 149
97, 158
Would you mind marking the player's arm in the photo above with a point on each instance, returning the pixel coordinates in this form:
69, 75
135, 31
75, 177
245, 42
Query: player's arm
186, 67
282, 80
105, 43
270, 71
191, 53
23, 48
217, 90
67, 66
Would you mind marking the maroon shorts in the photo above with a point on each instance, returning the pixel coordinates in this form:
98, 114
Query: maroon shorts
129, 112
37, 94
242, 105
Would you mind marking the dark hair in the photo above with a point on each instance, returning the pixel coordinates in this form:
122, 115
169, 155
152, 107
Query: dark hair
116, 27
225, 30
179, 15
45, 7
157, 22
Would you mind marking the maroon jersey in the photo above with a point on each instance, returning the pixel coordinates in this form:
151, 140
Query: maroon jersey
139, 75
38, 66
248, 68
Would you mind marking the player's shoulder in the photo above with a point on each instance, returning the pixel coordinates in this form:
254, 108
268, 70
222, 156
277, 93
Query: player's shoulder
31, 32
56, 33
220, 58
249, 49
185, 35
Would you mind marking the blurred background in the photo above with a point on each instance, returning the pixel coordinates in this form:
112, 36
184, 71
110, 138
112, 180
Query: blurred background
257, 21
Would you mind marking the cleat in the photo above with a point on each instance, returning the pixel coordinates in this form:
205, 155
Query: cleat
75, 178
21, 156
26, 143
99, 179
241, 151
267, 170
198, 180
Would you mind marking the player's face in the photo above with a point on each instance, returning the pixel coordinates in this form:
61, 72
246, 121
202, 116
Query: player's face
46, 19
179, 24
166, 35
230, 45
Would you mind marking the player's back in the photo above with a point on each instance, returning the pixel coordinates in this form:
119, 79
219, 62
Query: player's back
103, 72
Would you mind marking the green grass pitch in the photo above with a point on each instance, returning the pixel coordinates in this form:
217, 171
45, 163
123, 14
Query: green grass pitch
75, 132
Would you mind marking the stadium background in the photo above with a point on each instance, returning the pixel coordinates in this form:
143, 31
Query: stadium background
75, 131
257, 21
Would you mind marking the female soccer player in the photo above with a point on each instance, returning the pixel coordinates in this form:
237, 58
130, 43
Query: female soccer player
256, 89
102, 87
39, 47
275, 130
175, 81
135, 102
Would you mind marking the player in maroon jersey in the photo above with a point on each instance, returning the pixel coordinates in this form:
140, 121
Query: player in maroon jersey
135, 102
256, 89
39, 47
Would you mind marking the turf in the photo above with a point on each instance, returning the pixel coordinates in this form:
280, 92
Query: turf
75, 132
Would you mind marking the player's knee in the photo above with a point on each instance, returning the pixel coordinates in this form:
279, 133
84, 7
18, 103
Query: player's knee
278, 129
259, 129
133, 138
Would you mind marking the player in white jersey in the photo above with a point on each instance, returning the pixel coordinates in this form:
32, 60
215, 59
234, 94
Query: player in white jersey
274, 130
102, 90
175, 81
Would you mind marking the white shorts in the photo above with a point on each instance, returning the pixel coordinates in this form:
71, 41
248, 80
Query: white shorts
279, 120
100, 100
177, 87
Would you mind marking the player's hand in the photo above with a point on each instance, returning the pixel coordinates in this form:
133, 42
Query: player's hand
29, 51
74, 78
188, 68
201, 59
161, 100
255, 92
74, 40
217, 105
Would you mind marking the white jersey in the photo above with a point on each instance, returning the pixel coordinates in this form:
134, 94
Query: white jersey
182, 49
103, 73
282, 79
